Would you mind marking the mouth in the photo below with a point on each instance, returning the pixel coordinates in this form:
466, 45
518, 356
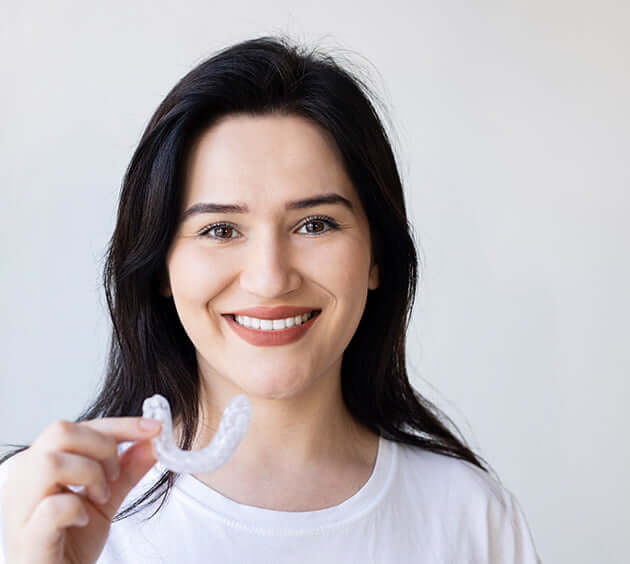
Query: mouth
272, 325
272, 332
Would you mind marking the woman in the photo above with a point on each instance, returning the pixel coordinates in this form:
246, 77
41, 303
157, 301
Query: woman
264, 188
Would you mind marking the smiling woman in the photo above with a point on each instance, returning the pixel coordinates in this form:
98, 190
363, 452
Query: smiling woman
262, 248
273, 166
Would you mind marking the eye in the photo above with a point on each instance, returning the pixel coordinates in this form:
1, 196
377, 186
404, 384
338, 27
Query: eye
220, 228
322, 224
320, 220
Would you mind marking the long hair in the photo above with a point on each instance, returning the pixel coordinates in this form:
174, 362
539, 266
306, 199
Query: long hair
150, 351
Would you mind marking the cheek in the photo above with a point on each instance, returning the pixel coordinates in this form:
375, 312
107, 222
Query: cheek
342, 268
196, 274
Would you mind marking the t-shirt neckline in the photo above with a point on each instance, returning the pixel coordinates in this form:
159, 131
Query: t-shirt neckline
203, 498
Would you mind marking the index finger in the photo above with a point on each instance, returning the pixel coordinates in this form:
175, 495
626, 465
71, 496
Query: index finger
123, 429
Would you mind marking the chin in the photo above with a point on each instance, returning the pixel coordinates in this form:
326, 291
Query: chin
274, 388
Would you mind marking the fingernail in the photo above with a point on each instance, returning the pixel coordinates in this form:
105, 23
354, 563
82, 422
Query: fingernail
149, 424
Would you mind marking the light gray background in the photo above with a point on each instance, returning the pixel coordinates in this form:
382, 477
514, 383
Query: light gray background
511, 124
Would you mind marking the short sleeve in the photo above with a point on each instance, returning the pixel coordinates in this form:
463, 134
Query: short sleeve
510, 539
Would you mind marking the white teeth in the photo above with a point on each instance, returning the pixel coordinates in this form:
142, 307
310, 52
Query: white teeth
272, 324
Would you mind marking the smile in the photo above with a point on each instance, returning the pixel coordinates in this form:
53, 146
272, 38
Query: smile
271, 332
273, 324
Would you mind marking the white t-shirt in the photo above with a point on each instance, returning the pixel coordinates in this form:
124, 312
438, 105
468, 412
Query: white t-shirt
417, 506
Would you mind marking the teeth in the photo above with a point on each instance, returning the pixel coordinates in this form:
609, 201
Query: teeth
272, 324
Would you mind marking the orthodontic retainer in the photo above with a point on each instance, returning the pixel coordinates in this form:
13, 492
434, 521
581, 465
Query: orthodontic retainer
232, 428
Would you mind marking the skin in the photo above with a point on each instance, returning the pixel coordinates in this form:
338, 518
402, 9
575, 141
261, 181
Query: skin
47, 523
300, 430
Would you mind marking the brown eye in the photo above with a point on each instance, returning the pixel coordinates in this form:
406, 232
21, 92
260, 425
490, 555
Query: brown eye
219, 231
316, 223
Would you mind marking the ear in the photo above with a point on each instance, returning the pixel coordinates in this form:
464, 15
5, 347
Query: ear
374, 278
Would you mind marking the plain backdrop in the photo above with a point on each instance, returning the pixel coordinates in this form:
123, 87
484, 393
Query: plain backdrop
510, 122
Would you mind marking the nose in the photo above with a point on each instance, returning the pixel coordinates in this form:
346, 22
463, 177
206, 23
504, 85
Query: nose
269, 270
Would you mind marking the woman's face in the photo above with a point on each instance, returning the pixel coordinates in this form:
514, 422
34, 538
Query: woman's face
270, 254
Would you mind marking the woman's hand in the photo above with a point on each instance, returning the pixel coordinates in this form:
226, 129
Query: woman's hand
47, 523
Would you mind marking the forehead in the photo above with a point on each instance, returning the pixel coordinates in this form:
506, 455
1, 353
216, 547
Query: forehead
264, 159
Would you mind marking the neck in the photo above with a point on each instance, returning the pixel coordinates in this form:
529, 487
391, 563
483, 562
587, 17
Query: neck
291, 432
309, 436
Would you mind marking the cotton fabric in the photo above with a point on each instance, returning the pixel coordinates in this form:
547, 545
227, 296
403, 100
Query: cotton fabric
417, 506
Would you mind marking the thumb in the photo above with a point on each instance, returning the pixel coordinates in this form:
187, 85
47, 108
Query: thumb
135, 462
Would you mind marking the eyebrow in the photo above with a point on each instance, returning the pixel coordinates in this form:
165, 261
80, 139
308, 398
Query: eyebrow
206, 207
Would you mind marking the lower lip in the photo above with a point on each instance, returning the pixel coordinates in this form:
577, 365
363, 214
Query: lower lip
271, 338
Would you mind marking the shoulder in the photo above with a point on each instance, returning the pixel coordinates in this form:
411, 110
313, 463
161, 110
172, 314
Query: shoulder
456, 485
467, 505
455, 479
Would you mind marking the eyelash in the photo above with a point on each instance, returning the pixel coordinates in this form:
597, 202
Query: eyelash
323, 218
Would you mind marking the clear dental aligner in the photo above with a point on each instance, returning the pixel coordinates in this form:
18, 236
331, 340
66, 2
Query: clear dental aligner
232, 428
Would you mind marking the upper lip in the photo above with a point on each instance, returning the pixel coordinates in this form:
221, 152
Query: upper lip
277, 312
